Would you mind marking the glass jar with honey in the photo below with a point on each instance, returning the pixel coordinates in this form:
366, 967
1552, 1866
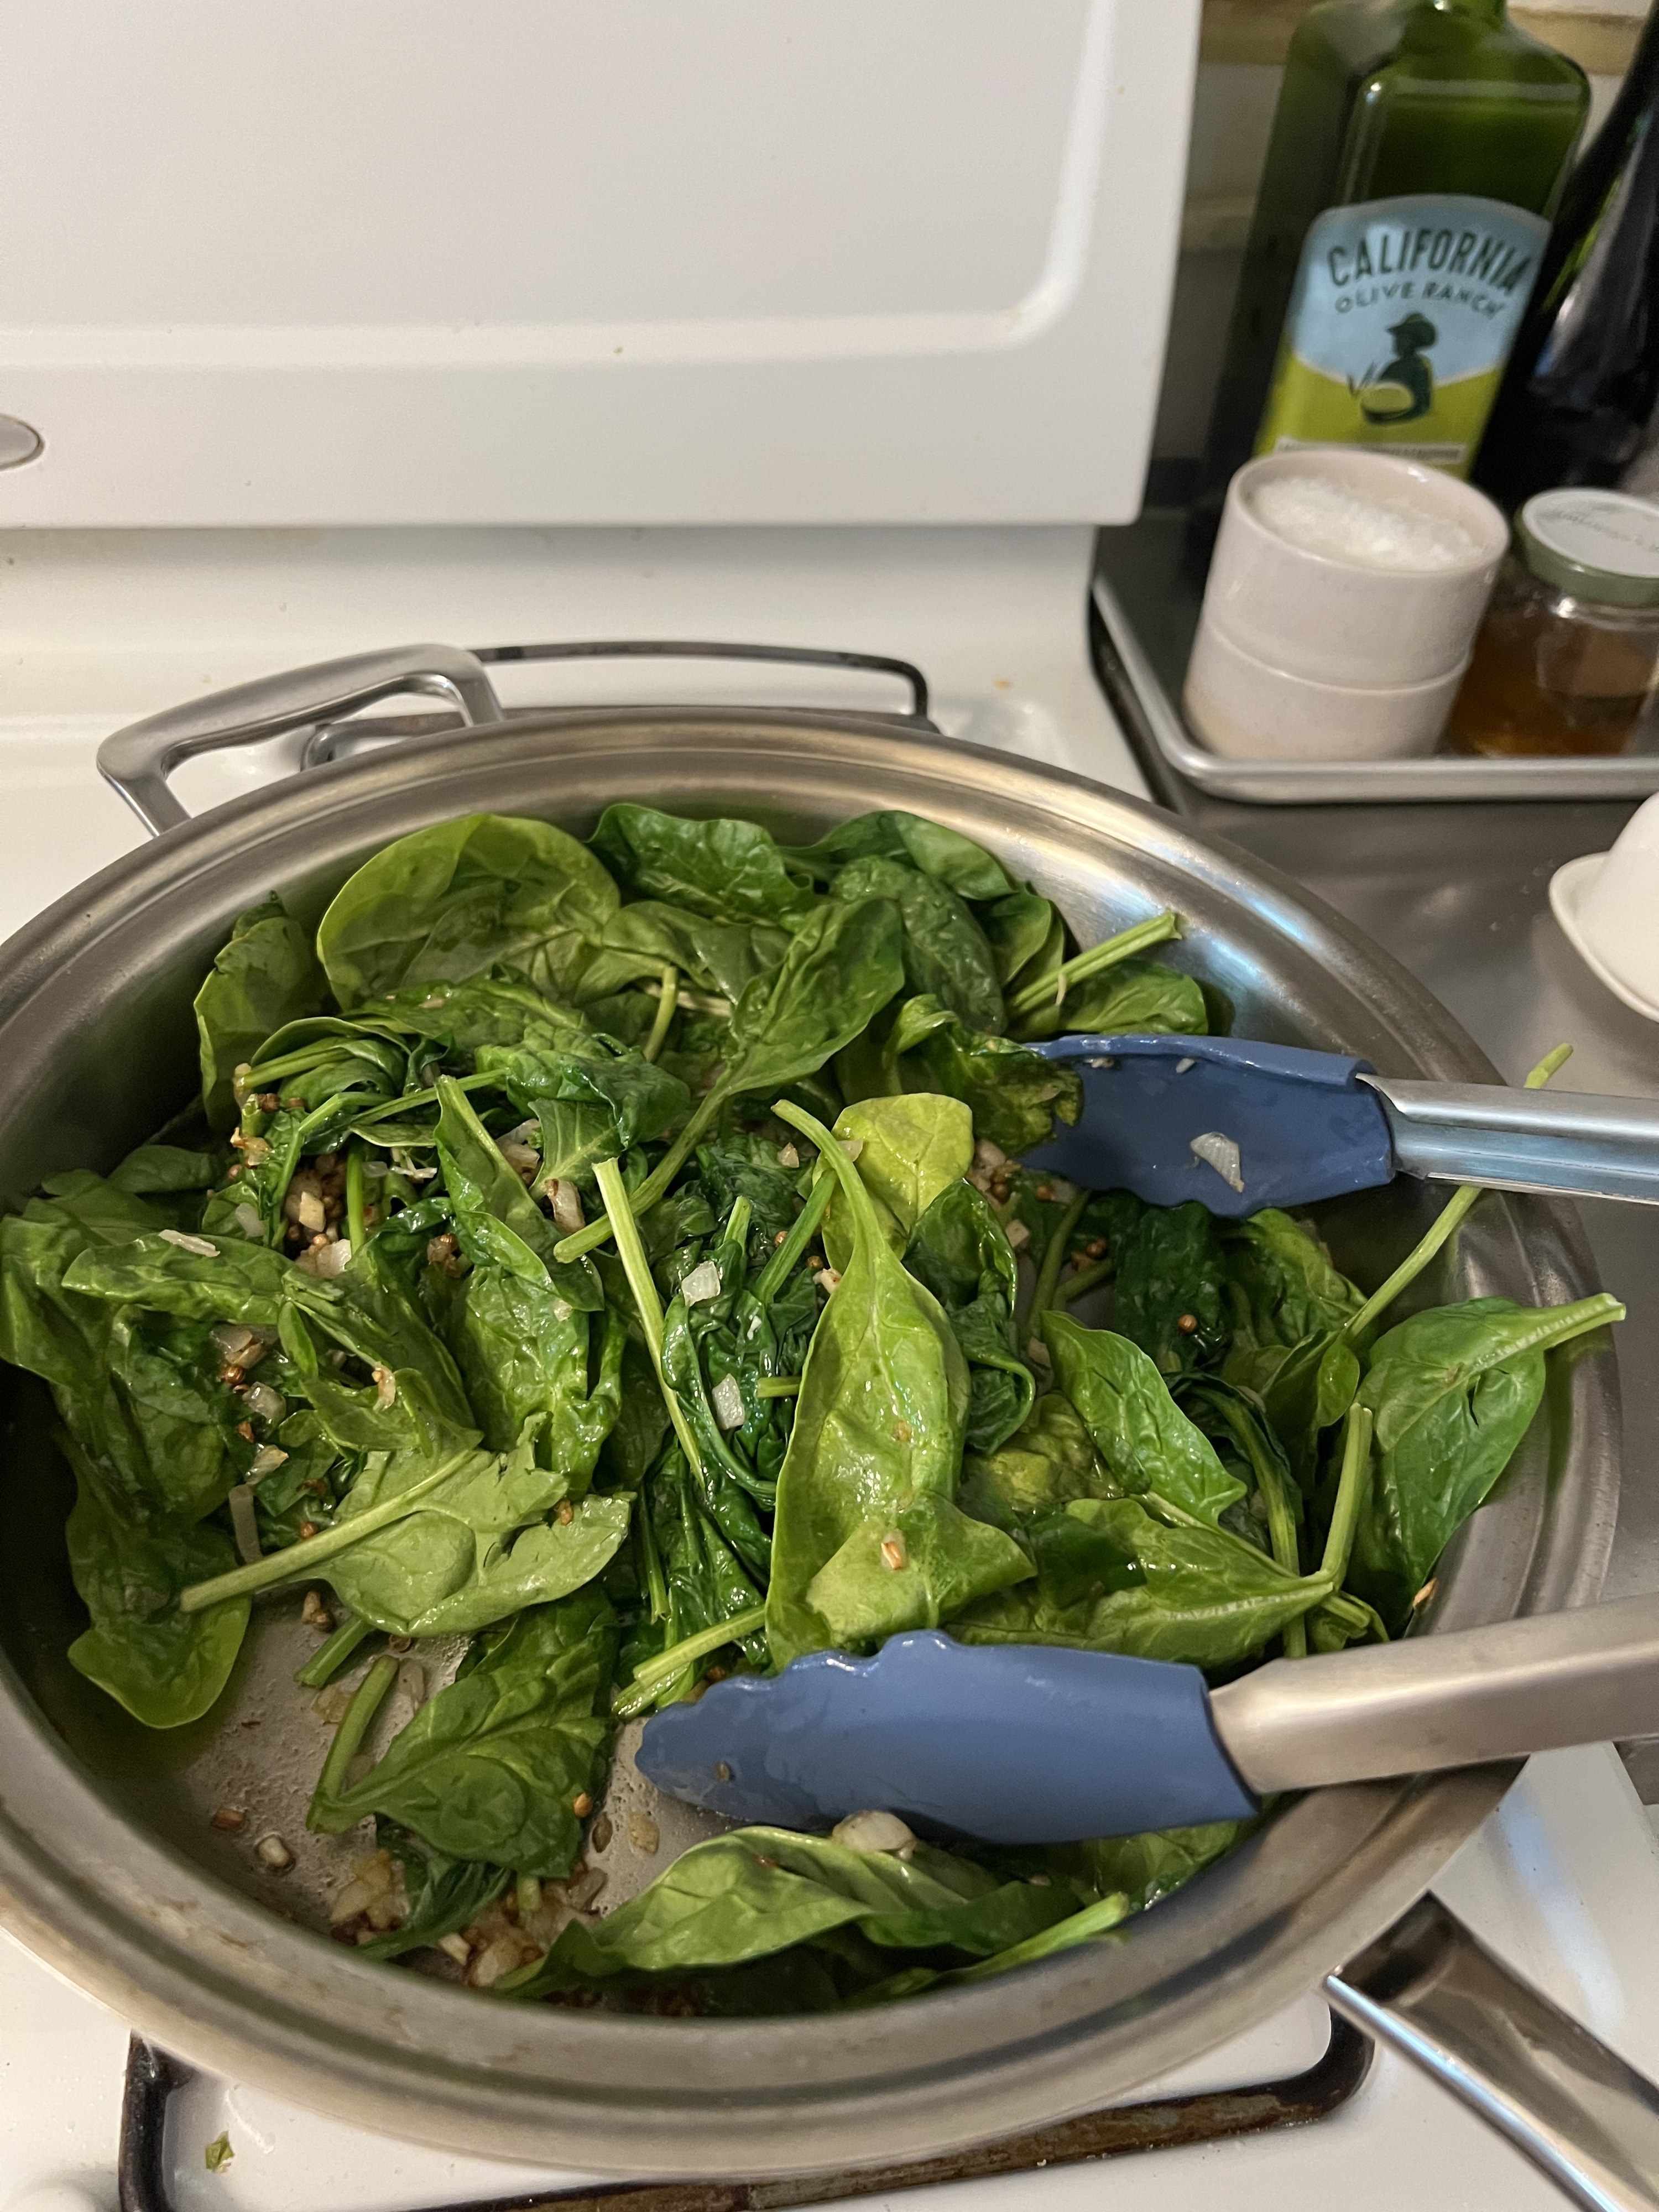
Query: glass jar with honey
1567, 659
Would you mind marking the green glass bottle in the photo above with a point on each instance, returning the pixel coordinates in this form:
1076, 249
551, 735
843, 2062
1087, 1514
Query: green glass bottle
1418, 151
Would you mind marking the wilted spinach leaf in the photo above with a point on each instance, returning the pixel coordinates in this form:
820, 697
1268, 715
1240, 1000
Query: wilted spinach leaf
459, 899
730, 870
164, 1666
266, 976
868, 1540
1047, 1463
1111, 1578
1170, 1272
491, 1768
759, 1891
1138, 998
959, 1250
1453, 1391
1013, 1095
1144, 1438
945, 951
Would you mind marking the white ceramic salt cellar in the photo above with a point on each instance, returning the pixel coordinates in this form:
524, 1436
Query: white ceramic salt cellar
1343, 596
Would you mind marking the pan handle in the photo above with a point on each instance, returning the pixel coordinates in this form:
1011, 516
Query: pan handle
139, 760
1427, 1989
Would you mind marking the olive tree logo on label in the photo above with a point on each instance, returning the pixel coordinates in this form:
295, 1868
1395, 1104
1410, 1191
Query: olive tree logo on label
1400, 324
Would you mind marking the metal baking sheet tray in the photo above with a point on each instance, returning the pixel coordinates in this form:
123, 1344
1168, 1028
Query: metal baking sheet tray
1153, 648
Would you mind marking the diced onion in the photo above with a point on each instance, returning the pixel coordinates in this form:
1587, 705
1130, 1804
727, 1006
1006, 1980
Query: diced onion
567, 1203
327, 1261
249, 1219
726, 1398
199, 1245
703, 1283
1221, 1153
265, 1404
872, 1831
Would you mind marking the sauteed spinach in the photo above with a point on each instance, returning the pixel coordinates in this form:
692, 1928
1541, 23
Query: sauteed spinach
612, 1257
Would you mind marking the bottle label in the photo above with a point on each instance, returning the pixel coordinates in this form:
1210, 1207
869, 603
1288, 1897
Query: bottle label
1400, 324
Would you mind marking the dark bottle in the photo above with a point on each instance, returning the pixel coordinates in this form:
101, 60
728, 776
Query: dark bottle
1417, 152
1579, 396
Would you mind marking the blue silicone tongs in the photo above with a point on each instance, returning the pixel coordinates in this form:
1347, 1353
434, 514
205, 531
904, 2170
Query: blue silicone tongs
1242, 1126
1021, 1743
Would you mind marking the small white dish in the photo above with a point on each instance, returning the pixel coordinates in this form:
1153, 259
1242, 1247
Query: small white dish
1569, 887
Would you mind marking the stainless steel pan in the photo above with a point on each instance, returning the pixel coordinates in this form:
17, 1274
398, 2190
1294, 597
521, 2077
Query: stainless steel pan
108, 1868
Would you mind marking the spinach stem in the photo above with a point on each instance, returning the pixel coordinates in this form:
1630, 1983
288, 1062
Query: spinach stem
389, 1109
1054, 1259
598, 1232
1272, 1479
736, 1230
298, 1560
631, 1250
1444, 1224
654, 1675
1351, 1486
694, 1002
1085, 1279
778, 1386
326, 1660
1413, 1265
1177, 1517
656, 1582
665, 1010
366, 1699
1049, 991
300, 1061
802, 1231
356, 1227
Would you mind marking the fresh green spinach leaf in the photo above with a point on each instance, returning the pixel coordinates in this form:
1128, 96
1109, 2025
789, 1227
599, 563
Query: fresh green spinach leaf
945, 951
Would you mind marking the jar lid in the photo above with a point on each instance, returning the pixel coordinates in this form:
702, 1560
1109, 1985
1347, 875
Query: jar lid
1596, 544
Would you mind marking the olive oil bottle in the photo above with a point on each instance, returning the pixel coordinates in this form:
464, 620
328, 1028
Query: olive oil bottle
1418, 151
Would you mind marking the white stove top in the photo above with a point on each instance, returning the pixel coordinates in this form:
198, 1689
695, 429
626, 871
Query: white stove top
96, 630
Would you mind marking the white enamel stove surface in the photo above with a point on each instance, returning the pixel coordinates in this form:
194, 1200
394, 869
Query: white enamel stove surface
99, 629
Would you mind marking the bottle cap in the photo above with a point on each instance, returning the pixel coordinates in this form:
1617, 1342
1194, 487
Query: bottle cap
1601, 545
